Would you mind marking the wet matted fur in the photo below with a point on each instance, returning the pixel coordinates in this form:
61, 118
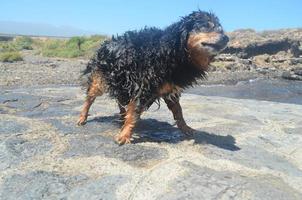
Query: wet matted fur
140, 67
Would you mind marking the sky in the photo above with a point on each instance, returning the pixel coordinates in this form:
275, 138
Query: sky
118, 16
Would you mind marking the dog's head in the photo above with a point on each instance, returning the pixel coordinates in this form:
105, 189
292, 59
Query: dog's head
204, 37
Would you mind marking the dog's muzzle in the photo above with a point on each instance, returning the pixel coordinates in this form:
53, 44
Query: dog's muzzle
217, 46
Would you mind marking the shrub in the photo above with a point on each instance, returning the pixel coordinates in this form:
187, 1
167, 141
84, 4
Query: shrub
10, 56
76, 42
23, 42
7, 47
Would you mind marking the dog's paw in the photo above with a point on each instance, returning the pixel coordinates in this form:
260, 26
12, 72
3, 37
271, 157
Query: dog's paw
122, 139
187, 130
82, 121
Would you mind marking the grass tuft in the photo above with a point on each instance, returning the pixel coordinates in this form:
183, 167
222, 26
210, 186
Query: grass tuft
11, 56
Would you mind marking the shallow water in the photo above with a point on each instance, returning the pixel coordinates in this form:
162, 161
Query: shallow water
276, 90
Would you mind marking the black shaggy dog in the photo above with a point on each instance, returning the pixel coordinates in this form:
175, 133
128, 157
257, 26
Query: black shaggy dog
140, 67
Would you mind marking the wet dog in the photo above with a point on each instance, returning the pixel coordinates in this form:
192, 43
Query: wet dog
140, 67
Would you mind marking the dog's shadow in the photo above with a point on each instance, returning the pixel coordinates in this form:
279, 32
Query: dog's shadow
152, 130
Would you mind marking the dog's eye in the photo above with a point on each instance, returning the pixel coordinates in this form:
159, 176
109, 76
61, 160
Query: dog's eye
219, 29
200, 27
204, 29
211, 25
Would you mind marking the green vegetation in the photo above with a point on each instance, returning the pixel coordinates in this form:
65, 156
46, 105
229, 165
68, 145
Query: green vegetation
18, 44
74, 47
10, 50
78, 41
11, 56
23, 43
49, 47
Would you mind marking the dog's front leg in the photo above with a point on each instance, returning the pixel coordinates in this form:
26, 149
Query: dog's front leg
131, 117
174, 105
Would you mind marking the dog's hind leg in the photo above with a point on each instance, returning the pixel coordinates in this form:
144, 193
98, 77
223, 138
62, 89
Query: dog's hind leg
131, 117
122, 111
84, 113
96, 87
174, 105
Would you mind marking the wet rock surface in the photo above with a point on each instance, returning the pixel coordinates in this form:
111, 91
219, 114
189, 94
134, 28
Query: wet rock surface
293, 74
276, 90
211, 184
15, 150
243, 149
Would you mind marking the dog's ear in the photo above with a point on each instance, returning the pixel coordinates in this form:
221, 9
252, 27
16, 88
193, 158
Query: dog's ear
183, 37
186, 25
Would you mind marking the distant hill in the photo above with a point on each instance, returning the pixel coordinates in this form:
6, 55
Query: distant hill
25, 28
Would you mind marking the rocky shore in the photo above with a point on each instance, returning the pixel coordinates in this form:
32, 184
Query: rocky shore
243, 149
276, 54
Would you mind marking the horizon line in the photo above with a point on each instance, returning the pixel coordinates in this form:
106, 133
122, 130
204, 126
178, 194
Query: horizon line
109, 35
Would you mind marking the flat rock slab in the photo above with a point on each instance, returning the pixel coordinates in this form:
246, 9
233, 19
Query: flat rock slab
243, 149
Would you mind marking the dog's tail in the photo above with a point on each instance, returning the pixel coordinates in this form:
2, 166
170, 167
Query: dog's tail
89, 67
95, 62
86, 75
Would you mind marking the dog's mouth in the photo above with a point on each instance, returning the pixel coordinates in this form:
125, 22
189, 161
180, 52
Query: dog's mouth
213, 49
216, 47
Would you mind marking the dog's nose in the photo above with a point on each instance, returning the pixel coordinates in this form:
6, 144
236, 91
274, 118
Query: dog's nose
219, 44
223, 40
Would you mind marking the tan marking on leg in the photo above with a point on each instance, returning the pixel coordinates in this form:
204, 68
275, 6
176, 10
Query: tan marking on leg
130, 120
175, 107
169, 88
84, 113
97, 87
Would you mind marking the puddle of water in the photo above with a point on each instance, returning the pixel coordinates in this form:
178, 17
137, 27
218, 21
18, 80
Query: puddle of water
260, 89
